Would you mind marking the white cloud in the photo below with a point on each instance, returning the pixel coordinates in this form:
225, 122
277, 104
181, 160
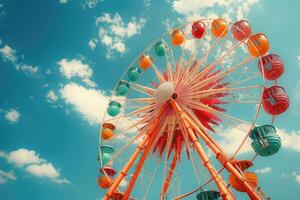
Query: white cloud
12, 115
8, 54
120, 47
90, 103
290, 140
6, 176
23, 157
229, 9
232, 137
295, 106
298, 60
113, 32
90, 4
93, 43
147, 3
33, 164
187, 6
264, 170
28, 69
51, 96
296, 176
43, 170
76, 68
63, 1
123, 183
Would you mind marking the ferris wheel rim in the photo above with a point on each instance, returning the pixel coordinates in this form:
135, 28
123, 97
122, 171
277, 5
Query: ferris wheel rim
151, 45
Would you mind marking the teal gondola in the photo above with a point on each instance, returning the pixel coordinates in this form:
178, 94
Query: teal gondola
266, 141
208, 195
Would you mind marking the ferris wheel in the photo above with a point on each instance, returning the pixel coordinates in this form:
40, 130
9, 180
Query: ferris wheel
172, 117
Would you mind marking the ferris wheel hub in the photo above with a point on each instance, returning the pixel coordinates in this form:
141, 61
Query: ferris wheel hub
164, 92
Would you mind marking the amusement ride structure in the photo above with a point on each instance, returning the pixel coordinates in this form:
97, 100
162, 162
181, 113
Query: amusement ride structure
180, 118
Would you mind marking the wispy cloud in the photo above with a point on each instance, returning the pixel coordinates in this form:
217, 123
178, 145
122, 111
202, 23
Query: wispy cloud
114, 32
28, 69
63, 1
89, 4
264, 170
12, 115
295, 106
76, 68
296, 176
51, 96
30, 161
229, 9
10, 55
92, 43
6, 176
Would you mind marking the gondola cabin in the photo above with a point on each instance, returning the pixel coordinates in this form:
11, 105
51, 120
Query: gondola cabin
275, 101
208, 195
271, 66
266, 141
107, 131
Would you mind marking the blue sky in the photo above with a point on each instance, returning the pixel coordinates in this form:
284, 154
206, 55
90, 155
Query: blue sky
59, 61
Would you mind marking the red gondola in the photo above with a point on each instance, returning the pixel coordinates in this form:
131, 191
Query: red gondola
275, 100
272, 66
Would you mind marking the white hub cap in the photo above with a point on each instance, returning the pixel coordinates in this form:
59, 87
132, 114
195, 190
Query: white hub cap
164, 92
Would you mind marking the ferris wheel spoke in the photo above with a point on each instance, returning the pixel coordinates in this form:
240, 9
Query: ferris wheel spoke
169, 177
141, 88
198, 148
138, 100
170, 133
206, 93
161, 130
194, 70
238, 82
220, 75
211, 48
145, 141
146, 151
151, 180
133, 113
179, 69
170, 60
170, 72
195, 169
117, 154
217, 61
159, 76
128, 129
203, 107
230, 50
192, 114
243, 102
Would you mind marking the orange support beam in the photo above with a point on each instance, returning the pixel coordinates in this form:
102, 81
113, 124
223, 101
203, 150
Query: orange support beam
224, 191
220, 155
169, 177
134, 156
140, 163
126, 168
